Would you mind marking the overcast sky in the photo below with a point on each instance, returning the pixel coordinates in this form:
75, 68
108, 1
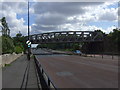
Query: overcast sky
60, 16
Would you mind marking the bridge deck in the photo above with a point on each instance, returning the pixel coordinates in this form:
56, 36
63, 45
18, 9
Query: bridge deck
80, 72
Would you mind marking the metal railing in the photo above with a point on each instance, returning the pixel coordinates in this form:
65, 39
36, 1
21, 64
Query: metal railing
103, 55
44, 78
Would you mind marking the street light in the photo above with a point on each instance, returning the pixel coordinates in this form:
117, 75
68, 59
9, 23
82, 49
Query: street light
28, 22
28, 55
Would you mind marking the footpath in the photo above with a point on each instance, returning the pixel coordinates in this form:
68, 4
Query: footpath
12, 75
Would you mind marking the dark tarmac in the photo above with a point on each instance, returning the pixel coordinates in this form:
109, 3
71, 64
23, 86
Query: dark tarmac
67, 71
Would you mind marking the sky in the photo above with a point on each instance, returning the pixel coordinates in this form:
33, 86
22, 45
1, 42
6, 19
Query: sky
59, 16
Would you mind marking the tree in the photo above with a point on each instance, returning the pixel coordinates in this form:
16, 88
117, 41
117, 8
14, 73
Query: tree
7, 41
19, 34
5, 28
20, 42
7, 45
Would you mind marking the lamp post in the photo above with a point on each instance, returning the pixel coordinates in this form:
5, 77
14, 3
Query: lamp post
28, 56
28, 22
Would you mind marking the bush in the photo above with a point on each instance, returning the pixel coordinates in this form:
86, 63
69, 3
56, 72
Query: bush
18, 49
7, 45
0, 45
76, 47
20, 41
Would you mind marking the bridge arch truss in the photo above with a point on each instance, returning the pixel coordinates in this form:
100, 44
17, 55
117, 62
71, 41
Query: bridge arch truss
67, 37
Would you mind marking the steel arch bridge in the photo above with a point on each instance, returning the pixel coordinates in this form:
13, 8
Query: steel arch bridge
67, 37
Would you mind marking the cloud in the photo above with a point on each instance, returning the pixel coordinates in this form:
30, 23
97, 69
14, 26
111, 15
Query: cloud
13, 0
63, 8
71, 15
108, 14
75, 0
10, 11
18, 7
54, 16
43, 28
100, 13
60, 13
50, 19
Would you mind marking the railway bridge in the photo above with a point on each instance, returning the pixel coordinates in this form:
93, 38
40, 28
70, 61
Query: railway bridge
67, 37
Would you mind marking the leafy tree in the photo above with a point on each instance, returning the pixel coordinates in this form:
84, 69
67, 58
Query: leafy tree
18, 49
7, 45
5, 28
112, 41
76, 47
19, 34
20, 41
0, 45
7, 42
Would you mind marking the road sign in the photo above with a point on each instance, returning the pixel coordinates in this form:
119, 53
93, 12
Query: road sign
28, 43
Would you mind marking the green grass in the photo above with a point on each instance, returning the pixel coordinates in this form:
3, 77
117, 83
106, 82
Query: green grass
7, 65
32, 56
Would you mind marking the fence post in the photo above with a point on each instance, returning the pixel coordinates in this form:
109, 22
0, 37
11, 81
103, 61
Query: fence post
102, 55
112, 55
102, 48
42, 71
48, 82
94, 55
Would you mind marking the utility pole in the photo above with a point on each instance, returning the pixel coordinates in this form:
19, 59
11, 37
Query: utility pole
28, 56
28, 22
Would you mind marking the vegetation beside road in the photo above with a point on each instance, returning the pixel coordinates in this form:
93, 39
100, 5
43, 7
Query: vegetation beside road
11, 44
7, 44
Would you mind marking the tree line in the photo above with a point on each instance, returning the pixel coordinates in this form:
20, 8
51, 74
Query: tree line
11, 44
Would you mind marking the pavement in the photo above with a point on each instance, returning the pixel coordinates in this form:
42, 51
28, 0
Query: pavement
12, 75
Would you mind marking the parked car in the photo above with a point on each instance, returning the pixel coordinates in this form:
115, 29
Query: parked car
78, 52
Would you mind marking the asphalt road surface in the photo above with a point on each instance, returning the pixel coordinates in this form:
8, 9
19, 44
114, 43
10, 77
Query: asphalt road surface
70, 71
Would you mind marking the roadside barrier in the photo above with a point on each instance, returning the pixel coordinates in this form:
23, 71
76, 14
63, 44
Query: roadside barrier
45, 81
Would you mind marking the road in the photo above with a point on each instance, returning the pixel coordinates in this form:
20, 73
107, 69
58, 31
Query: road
70, 71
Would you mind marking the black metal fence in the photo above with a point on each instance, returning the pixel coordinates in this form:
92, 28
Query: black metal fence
45, 81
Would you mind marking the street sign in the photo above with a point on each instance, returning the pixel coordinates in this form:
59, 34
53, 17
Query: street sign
28, 43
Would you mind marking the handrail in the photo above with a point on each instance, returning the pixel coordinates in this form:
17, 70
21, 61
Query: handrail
48, 81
